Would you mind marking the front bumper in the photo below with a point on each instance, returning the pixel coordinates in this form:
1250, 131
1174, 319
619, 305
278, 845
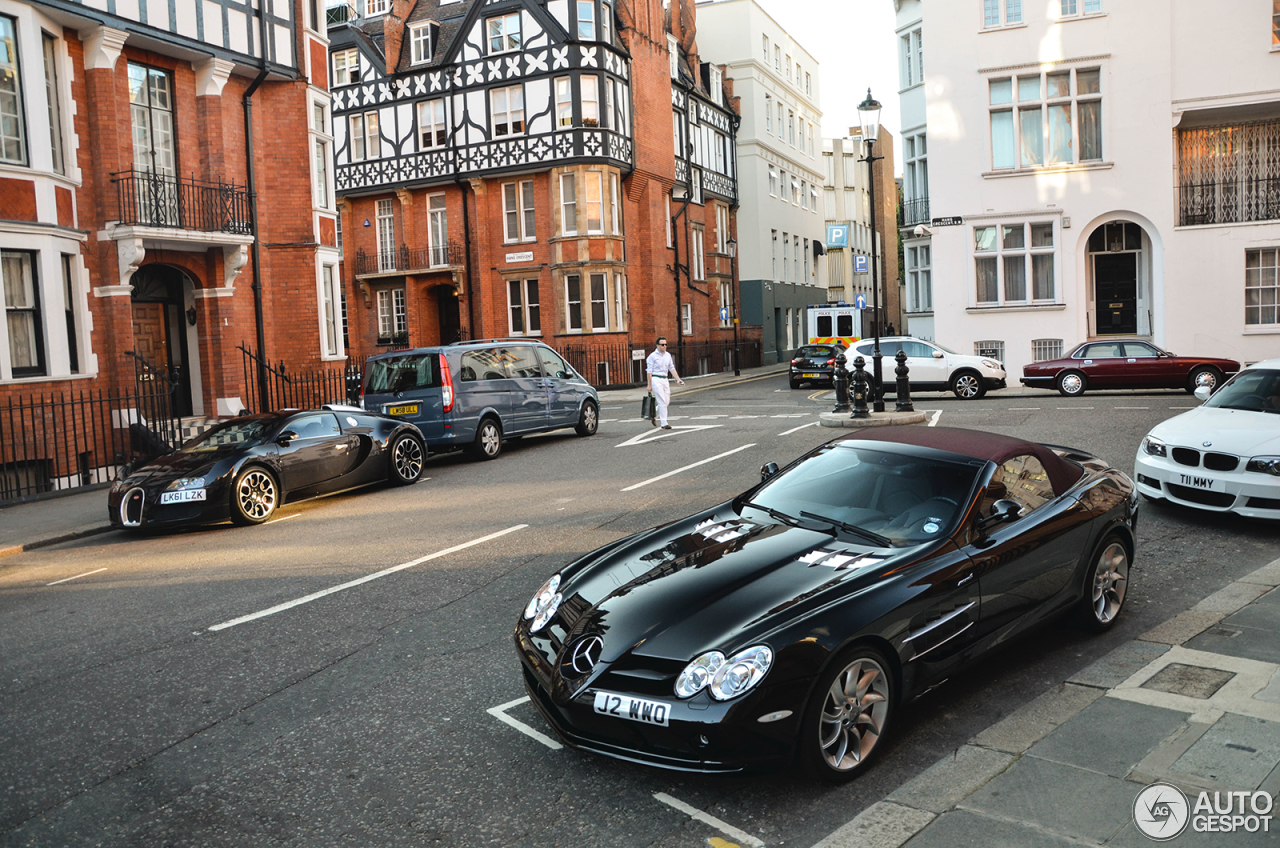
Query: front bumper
153, 514
1246, 493
992, 383
1038, 382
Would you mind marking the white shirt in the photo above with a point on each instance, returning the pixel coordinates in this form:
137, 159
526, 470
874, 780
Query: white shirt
660, 364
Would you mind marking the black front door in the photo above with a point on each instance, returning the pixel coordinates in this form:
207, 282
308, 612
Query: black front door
160, 327
447, 309
1115, 281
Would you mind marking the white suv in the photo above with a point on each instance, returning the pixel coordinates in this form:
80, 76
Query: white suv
931, 367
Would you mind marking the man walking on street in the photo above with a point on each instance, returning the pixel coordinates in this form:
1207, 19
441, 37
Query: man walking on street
662, 369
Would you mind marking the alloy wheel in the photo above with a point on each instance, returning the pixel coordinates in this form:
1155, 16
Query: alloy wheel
256, 495
853, 716
1205, 378
590, 420
1110, 580
490, 439
967, 387
1071, 384
408, 459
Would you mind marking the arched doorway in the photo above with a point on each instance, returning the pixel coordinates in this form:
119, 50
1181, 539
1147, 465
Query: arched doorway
163, 331
1118, 255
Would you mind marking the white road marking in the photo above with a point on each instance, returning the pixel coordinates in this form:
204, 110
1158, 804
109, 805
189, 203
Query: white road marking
77, 577
933, 422
500, 713
687, 467
724, 827
736, 417
705, 417
653, 434
1182, 407
791, 415
1024, 409
368, 577
283, 518
607, 420
801, 427
1068, 408
1132, 407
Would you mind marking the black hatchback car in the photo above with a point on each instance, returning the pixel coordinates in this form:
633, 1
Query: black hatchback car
814, 364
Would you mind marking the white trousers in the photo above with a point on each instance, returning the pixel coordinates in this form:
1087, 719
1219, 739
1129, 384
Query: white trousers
661, 387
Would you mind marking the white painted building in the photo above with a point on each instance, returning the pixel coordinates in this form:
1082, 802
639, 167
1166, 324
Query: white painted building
1116, 166
846, 202
779, 167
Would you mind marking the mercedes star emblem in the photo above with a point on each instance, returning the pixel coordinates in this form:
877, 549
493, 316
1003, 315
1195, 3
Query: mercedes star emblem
586, 654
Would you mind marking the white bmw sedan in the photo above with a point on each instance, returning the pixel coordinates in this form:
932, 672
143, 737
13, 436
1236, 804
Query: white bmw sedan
1224, 455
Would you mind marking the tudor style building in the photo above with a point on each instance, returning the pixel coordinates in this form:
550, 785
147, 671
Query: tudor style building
505, 168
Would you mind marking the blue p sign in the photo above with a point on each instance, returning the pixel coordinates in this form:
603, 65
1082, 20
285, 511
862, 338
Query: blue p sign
860, 263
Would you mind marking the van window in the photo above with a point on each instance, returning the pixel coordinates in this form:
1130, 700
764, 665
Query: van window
521, 362
824, 326
483, 364
844, 325
403, 373
554, 366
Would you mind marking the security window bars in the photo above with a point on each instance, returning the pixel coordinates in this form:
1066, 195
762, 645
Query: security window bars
432, 131
568, 206
1042, 350
993, 348
1229, 174
1261, 287
420, 44
517, 211
508, 110
364, 141
1007, 256
504, 33
22, 313
346, 67
523, 308
1052, 118
13, 146
53, 100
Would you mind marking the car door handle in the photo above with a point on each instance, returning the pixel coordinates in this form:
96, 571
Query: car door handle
964, 580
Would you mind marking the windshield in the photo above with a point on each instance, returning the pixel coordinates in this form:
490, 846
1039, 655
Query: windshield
948, 350
234, 435
906, 499
403, 373
1256, 389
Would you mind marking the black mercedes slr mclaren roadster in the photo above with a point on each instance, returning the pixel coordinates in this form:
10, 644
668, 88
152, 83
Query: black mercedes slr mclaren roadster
244, 468
796, 619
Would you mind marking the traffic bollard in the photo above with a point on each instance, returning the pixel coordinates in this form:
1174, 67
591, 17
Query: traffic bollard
904, 384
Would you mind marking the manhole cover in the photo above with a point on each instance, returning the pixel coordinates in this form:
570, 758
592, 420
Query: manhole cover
1191, 680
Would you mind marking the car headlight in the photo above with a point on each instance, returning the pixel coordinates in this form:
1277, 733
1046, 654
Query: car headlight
1154, 446
1265, 464
991, 363
725, 679
698, 674
544, 604
185, 483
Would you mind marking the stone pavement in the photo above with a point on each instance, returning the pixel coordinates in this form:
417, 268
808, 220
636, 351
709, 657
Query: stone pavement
1193, 703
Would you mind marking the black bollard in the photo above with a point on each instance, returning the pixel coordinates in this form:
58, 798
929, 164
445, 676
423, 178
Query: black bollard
840, 379
904, 385
859, 389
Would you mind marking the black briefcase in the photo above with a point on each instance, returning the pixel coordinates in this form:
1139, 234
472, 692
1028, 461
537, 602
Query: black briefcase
648, 407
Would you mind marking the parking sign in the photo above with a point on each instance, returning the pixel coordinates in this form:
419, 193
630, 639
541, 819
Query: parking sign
860, 265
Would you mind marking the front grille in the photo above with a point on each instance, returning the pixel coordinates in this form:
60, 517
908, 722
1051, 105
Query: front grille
1186, 456
1186, 493
1264, 503
1221, 461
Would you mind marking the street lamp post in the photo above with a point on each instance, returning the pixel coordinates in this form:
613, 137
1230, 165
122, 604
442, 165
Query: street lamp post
869, 113
733, 296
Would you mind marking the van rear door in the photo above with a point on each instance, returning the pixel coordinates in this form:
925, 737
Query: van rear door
408, 386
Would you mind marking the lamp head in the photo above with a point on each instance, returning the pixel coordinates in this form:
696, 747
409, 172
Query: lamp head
869, 114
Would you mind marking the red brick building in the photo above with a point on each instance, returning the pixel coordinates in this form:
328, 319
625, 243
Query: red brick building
126, 222
546, 168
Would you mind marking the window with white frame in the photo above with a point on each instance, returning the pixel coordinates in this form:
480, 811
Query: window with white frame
432, 131
673, 55
375, 7
777, 58
70, 299
786, 256
587, 19
768, 113
337, 221
517, 211
1049, 118
813, 198
797, 73
438, 230
677, 135
764, 40
788, 58
385, 232
595, 202
774, 275
523, 309
606, 17
507, 106
1075, 8
801, 127
911, 54
773, 181
393, 325
808, 85
722, 228
781, 137
726, 303
346, 67
795, 191
806, 261
695, 186
804, 194
621, 107
1042, 350
795, 243
322, 196
686, 319
697, 258
599, 302
573, 303
811, 136
615, 206
331, 318
568, 206
620, 301
919, 278
590, 100
53, 99
564, 101
1261, 288
992, 16
503, 33
717, 86
668, 220
22, 313
915, 174
363, 139
1014, 263
791, 128
420, 44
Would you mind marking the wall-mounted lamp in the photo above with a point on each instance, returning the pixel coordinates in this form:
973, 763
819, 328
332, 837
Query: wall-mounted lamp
191, 315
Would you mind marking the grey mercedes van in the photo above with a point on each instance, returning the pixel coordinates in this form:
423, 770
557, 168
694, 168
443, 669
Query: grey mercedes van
473, 395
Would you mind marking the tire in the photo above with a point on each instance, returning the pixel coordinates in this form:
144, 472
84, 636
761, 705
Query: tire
406, 460
795, 384
835, 724
1072, 383
588, 419
255, 494
1106, 585
967, 385
488, 443
1205, 375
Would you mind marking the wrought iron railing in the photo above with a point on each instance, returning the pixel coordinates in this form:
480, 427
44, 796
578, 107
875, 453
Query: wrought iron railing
339, 13
145, 198
157, 392
408, 260
1228, 201
915, 212
338, 383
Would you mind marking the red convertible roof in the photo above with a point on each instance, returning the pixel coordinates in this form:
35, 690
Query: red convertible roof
979, 445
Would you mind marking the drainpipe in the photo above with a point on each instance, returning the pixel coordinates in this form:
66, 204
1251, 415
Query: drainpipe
252, 187
466, 255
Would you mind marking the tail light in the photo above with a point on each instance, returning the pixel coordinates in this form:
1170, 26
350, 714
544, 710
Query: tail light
446, 383
795, 361
831, 361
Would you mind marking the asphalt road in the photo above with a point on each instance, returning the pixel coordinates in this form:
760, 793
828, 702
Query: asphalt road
144, 704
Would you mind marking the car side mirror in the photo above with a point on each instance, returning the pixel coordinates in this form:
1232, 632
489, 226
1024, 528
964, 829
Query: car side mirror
1001, 511
937, 354
768, 470
1202, 393
286, 437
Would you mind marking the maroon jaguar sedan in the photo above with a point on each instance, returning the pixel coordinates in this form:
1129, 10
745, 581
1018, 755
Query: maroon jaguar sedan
1126, 365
